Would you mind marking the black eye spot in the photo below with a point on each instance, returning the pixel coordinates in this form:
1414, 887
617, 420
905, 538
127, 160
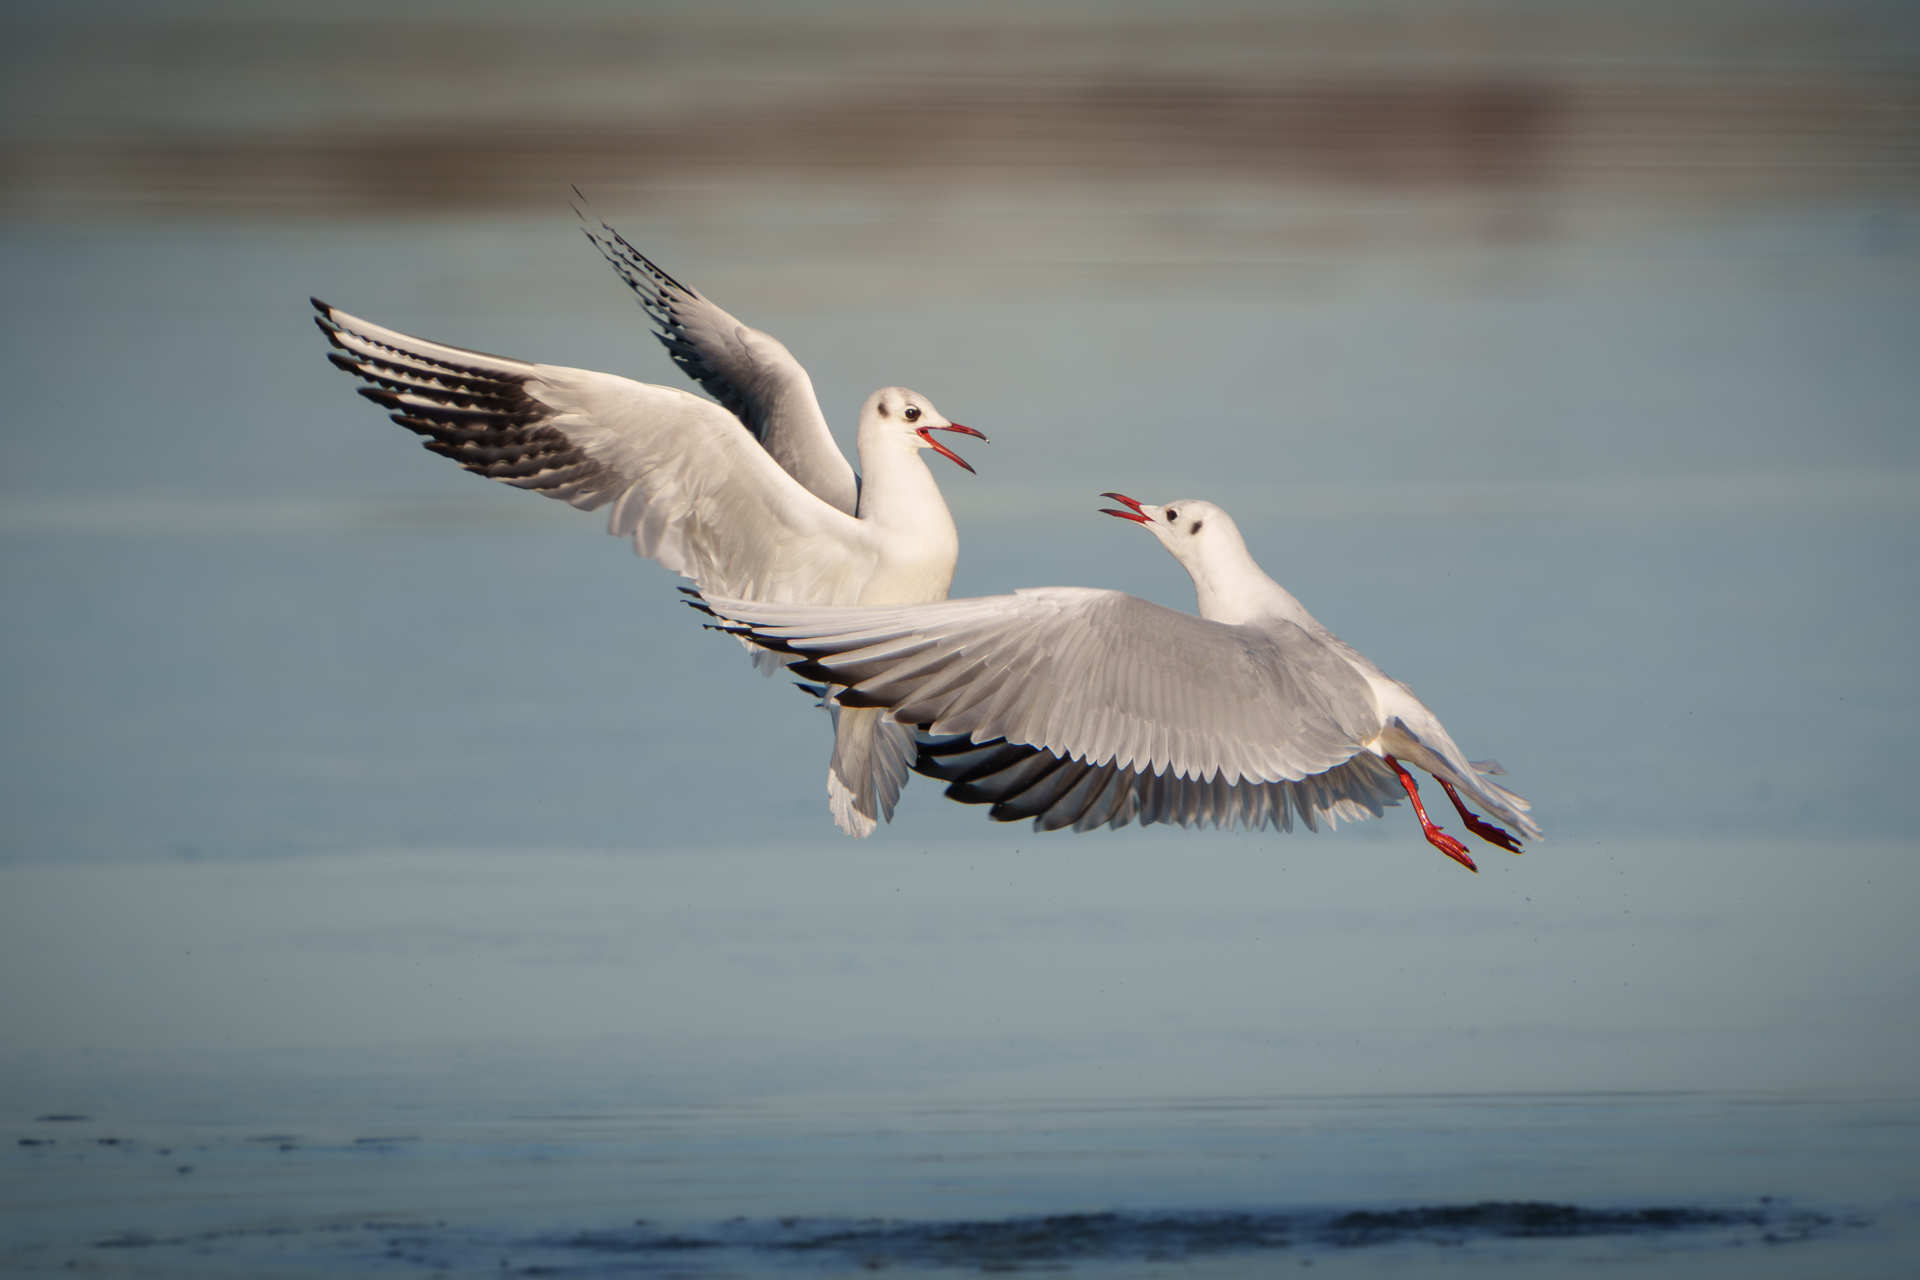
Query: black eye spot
1172, 516
1196, 527
883, 410
912, 413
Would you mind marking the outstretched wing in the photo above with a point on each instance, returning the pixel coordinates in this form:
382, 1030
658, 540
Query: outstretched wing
749, 372
1056, 792
1095, 676
682, 477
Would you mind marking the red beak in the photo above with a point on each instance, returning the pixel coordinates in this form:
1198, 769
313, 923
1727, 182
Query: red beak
1125, 515
941, 449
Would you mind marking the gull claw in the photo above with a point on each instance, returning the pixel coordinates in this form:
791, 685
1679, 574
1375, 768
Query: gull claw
1480, 826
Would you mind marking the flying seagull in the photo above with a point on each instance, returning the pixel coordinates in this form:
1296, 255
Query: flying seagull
1080, 707
747, 497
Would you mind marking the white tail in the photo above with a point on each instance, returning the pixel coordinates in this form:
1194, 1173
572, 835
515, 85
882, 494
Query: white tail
872, 754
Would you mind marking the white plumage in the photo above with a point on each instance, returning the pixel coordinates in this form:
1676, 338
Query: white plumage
1246, 715
748, 497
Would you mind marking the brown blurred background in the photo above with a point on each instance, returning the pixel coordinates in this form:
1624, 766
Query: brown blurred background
1277, 127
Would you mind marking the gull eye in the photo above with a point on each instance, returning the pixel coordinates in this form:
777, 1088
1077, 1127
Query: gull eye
1172, 516
911, 413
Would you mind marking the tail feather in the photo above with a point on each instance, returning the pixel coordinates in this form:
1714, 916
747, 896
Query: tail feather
872, 755
1416, 734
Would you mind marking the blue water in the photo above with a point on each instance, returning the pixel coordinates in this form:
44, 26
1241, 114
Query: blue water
397, 881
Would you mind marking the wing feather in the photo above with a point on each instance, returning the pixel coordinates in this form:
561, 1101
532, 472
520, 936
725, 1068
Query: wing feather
684, 480
750, 373
1026, 782
1094, 676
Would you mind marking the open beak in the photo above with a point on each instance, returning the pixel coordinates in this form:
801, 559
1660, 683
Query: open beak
941, 449
1134, 514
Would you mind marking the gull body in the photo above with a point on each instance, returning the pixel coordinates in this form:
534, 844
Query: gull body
748, 496
1083, 708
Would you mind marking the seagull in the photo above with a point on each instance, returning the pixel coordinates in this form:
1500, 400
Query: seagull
1085, 708
747, 497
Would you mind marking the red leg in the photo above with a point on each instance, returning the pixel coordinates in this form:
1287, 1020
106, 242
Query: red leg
1435, 836
1478, 825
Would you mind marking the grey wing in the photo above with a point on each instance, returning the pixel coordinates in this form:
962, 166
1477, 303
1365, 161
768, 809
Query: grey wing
678, 474
750, 373
1057, 793
1096, 676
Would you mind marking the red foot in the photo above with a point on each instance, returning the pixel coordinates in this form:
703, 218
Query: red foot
1479, 825
1435, 836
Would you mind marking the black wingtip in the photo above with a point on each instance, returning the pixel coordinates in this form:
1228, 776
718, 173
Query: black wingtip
616, 238
702, 606
583, 208
321, 307
688, 591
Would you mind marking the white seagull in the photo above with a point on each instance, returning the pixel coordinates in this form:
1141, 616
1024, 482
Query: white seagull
749, 497
1080, 707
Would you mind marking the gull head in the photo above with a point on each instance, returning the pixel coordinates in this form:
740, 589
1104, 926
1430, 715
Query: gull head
1189, 528
1204, 539
907, 416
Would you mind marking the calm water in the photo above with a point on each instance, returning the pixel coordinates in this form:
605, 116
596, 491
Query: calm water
397, 882
239, 1067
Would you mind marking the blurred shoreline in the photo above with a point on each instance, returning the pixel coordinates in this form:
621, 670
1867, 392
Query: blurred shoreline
1534, 118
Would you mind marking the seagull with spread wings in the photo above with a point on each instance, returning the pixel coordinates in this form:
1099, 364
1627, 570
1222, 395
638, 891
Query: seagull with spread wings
1084, 708
748, 497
